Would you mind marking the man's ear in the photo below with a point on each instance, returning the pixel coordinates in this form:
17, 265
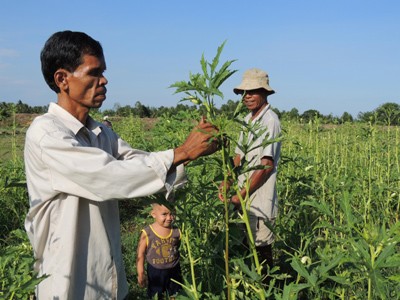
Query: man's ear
61, 79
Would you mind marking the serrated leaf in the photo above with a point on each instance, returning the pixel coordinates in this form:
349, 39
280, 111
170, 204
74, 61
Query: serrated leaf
326, 268
216, 58
299, 268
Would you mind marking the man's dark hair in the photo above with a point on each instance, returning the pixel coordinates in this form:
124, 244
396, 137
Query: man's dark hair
65, 50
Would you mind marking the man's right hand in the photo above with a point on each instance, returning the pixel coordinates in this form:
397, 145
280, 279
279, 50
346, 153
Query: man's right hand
200, 142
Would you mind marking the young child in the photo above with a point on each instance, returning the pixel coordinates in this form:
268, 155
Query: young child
159, 245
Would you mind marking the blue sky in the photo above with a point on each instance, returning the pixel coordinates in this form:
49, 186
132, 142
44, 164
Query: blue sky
332, 56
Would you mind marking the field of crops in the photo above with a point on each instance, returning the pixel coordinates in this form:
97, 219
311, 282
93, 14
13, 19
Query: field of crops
338, 230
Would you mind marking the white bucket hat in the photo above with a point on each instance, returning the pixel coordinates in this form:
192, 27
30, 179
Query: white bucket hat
254, 79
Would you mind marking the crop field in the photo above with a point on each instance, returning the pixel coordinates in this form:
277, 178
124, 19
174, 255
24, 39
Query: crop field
338, 229
337, 233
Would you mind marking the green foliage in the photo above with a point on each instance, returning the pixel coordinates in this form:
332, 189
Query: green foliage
338, 234
341, 212
133, 219
346, 117
386, 114
17, 280
13, 196
202, 88
6, 109
310, 115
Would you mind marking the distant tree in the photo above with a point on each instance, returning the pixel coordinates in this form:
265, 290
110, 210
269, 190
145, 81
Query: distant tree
278, 112
293, 114
141, 110
310, 114
152, 111
39, 109
5, 110
183, 107
388, 114
108, 112
229, 107
124, 111
346, 117
366, 117
162, 110
116, 106
22, 108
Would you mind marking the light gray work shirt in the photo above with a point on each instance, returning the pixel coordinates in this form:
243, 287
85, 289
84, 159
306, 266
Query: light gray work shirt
74, 175
264, 201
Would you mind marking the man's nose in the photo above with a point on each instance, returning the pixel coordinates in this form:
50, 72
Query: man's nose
103, 80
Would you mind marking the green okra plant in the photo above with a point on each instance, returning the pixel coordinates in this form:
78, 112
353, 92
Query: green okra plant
201, 89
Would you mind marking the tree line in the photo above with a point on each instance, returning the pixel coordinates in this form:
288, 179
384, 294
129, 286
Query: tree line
386, 114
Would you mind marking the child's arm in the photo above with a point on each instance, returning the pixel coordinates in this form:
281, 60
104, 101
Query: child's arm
141, 254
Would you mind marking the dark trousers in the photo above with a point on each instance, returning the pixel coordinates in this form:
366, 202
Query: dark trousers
160, 281
265, 255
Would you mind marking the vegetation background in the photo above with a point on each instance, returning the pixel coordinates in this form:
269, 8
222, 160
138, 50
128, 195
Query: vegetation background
338, 231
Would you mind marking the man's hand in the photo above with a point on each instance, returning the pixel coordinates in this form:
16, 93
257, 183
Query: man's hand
200, 142
227, 186
235, 200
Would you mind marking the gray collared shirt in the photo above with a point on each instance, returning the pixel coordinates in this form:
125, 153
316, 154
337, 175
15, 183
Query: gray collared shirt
264, 201
74, 175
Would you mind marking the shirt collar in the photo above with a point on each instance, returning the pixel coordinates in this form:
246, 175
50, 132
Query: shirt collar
93, 125
71, 122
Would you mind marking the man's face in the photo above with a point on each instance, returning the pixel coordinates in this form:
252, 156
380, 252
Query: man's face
254, 99
86, 85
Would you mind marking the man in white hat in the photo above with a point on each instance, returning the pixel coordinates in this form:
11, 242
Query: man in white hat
261, 184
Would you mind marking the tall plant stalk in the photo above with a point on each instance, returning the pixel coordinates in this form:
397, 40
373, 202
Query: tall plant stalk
201, 90
193, 288
226, 217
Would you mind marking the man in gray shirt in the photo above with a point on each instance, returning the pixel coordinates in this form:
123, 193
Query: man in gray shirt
77, 168
260, 183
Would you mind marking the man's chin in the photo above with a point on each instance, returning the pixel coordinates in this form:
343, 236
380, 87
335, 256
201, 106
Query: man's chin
98, 103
